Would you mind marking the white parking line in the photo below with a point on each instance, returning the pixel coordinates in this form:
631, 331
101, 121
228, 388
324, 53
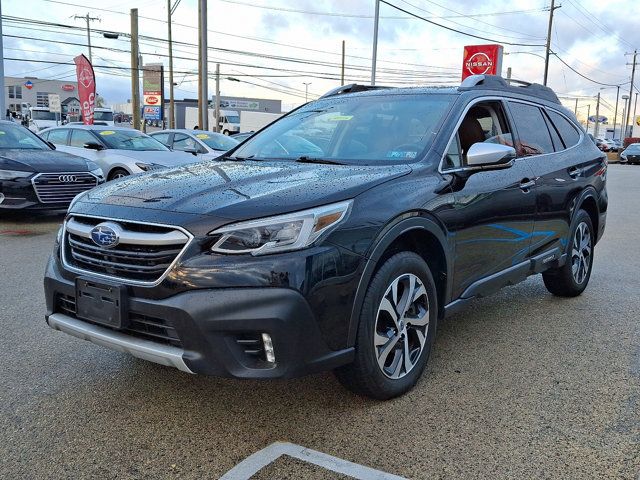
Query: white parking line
254, 463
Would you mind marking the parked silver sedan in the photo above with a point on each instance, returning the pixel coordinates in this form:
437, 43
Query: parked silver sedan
207, 145
119, 151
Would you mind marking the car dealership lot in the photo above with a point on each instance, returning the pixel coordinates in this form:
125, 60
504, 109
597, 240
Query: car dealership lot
521, 385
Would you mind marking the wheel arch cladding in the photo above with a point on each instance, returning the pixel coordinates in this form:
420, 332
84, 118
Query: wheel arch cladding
416, 234
588, 204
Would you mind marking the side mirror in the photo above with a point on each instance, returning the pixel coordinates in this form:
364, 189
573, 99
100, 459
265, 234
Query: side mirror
489, 156
192, 151
93, 146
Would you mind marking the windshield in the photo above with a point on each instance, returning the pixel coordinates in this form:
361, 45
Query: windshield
634, 147
18, 137
130, 140
42, 115
359, 129
104, 116
217, 141
232, 118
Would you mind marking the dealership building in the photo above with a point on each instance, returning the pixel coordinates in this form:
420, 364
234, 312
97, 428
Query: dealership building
23, 92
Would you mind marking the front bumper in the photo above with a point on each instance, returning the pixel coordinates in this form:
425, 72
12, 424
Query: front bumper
215, 330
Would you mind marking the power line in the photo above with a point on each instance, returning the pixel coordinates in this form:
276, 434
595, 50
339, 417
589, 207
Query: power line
459, 31
470, 17
585, 77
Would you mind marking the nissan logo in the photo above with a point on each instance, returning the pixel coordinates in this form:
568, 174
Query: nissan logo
67, 178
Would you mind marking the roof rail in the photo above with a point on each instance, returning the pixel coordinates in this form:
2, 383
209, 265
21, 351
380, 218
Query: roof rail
351, 88
496, 82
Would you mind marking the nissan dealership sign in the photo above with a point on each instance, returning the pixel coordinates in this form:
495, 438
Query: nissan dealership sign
482, 60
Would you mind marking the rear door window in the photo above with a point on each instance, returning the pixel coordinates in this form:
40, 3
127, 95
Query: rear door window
567, 131
58, 137
533, 135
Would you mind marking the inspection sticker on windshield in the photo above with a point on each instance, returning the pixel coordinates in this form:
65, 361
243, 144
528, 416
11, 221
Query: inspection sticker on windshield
202, 135
107, 132
341, 118
401, 154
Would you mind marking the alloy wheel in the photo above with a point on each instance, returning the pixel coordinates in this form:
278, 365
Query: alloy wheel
581, 253
402, 323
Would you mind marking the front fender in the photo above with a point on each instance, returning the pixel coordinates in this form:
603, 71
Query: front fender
404, 223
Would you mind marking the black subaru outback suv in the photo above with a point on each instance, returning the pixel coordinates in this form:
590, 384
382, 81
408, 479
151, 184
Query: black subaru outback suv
337, 237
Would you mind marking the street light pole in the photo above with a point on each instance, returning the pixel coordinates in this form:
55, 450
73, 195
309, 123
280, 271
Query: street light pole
597, 126
135, 70
203, 100
375, 42
615, 115
633, 76
623, 125
172, 116
88, 19
306, 91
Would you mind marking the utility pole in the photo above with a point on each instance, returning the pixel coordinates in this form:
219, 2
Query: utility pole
3, 107
203, 78
546, 60
135, 70
375, 42
508, 74
597, 126
588, 114
217, 106
88, 19
172, 116
575, 110
615, 114
342, 71
635, 109
306, 91
633, 76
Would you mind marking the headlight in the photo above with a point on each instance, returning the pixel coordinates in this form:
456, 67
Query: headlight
283, 233
13, 174
145, 167
95, 169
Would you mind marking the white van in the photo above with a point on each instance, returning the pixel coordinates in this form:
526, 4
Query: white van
41, 118
104, 116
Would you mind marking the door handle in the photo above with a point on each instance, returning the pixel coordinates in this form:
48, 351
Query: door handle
574, 172
527, 184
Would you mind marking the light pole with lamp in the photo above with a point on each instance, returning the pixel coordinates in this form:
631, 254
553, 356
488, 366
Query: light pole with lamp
306, 90
623, 125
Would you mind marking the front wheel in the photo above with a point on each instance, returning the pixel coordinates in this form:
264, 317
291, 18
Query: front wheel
571, 279
117, 173
396, 330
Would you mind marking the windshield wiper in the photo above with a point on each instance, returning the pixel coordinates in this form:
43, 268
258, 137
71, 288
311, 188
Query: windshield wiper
305, 159
235, 159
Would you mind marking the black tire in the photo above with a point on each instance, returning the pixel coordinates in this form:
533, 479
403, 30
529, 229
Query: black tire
566, 281
364, 376
117, 173
226, 132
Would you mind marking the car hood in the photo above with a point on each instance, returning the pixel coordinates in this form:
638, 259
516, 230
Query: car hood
242, 190
167, 159
41, 161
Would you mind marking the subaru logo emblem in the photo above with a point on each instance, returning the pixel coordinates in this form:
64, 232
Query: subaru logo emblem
106, 235
67, 179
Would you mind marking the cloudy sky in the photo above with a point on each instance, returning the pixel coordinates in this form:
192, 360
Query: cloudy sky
275, 46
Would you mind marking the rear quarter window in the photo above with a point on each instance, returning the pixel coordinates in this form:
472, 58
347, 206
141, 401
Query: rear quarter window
569, 134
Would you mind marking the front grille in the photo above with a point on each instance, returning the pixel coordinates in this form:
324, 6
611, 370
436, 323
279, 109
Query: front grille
157, 330
62, 187
143, 255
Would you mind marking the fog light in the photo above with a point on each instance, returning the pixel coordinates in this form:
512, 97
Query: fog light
268, 348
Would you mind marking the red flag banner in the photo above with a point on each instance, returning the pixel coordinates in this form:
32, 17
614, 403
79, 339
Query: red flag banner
481, 60
86, 88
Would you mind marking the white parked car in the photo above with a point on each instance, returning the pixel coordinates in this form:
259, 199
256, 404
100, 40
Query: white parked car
118, 151
208, 145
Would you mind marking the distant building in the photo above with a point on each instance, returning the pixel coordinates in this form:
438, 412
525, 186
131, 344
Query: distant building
238, 104
21, 93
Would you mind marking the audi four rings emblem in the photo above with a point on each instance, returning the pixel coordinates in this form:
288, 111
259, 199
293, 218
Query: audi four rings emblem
67, 178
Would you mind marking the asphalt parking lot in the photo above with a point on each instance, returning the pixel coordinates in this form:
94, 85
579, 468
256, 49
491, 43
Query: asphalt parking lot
522, 385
